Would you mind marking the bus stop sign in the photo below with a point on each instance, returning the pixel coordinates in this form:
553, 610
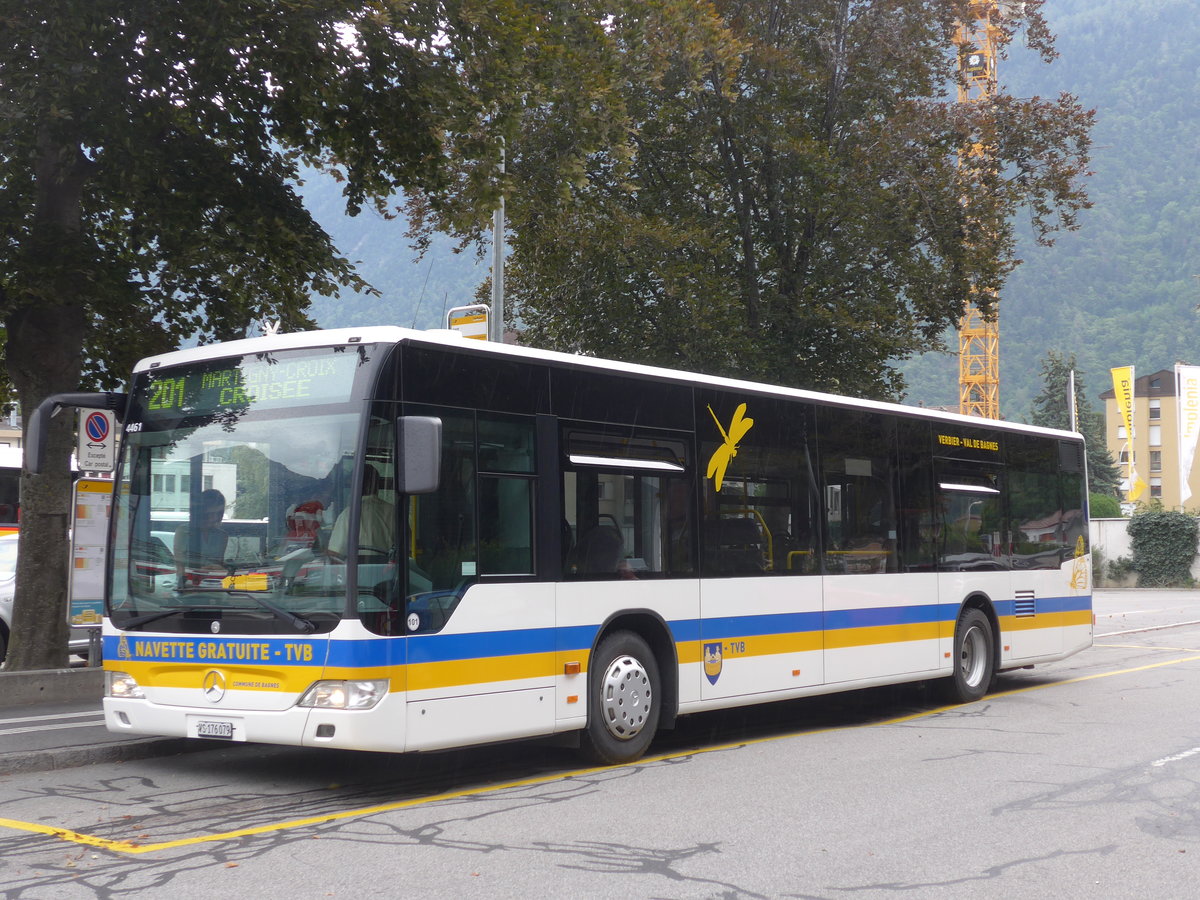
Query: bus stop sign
97, 449
469, 321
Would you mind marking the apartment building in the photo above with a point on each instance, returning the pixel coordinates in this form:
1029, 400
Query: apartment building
1154, 445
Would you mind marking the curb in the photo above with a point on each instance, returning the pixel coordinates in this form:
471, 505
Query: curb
50, 686
72, 757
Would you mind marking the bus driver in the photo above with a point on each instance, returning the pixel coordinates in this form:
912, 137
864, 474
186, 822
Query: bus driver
376, 526
200, 543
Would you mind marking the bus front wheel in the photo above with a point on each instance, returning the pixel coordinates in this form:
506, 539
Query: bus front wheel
974, 658
623, 700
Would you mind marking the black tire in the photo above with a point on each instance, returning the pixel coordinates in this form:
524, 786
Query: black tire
624, 696
3, 645
974, 658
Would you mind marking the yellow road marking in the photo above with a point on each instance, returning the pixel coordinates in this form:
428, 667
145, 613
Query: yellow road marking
132, 848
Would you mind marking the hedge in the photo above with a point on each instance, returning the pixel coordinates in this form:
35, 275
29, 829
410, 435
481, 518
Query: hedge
1164, 545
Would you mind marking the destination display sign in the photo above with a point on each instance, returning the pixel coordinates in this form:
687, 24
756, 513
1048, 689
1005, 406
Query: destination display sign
246, 383
967, 443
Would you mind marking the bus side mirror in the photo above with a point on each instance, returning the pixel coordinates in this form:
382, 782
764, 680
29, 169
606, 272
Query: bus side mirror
38, 424
419, 439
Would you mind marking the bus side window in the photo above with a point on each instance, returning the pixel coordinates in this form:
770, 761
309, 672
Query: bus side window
627, 503
859, 473
594, 509
626, 525
1046, 507
506, 490
762, 517
971, 532
441, 525
915, 512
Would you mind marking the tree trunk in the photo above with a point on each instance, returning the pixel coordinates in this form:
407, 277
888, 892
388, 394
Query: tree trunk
37, 366
46, 330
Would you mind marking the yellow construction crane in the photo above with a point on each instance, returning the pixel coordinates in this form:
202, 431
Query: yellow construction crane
979, 336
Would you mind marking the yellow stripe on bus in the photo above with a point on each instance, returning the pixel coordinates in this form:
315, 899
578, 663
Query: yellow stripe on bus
844, 638
190, 675
427, 676
1046, 620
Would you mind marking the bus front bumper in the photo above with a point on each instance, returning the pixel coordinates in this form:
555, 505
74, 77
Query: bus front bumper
380, 728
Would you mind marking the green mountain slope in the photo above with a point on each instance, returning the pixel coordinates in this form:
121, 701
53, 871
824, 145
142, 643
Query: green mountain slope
1123, 289
413, 293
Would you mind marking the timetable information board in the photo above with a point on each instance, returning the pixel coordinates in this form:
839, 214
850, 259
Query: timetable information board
89, 547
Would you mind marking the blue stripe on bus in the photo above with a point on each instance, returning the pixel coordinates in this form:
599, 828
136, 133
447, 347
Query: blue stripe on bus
873, 617
1047, 605
754, 626
380, 651
684, 630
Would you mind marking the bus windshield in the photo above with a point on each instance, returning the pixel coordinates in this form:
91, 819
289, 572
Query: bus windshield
233, 476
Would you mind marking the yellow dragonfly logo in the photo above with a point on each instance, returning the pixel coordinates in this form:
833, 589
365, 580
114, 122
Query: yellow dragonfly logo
738, 426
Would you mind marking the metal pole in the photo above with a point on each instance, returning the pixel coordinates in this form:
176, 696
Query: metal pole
497, 318
1072, 411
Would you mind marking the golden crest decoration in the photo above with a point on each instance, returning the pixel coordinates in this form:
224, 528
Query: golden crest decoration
712, 662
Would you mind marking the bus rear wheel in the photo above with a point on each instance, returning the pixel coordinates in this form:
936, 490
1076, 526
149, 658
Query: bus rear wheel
623, 700
974, 658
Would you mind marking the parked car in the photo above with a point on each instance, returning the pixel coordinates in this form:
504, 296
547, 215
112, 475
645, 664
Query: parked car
8, 583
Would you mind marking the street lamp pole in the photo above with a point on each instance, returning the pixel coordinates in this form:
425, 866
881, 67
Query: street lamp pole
497, 317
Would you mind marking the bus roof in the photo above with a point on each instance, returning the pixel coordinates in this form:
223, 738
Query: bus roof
11, 457
392, 334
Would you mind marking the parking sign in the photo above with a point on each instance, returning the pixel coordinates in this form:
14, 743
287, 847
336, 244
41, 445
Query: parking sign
96, 451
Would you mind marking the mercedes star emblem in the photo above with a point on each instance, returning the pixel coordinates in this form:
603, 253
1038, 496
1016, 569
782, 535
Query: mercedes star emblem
213, 686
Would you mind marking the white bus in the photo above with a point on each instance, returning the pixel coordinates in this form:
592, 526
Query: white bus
456, 542
10, 489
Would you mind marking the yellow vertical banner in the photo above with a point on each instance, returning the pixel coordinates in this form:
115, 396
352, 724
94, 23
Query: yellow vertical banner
1122, 378
1187, 395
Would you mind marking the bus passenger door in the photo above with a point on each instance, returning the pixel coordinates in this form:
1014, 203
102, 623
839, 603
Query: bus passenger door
1049, 530
972, 541
627, 540
880, 606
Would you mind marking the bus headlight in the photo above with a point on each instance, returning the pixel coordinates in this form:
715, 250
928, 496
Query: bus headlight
119, 684
344, 694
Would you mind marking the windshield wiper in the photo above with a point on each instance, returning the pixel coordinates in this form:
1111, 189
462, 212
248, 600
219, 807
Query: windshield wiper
298, 622
147, 618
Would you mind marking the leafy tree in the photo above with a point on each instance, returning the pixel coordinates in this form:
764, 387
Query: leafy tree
790, 204
1104, 506
1050, 410
148, 163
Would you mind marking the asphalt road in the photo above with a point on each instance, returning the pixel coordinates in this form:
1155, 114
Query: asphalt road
1077, 779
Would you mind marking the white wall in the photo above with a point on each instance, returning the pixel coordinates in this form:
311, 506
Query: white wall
1111, 538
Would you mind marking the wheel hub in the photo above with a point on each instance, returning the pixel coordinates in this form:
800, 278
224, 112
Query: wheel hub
626, 698
972, 657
